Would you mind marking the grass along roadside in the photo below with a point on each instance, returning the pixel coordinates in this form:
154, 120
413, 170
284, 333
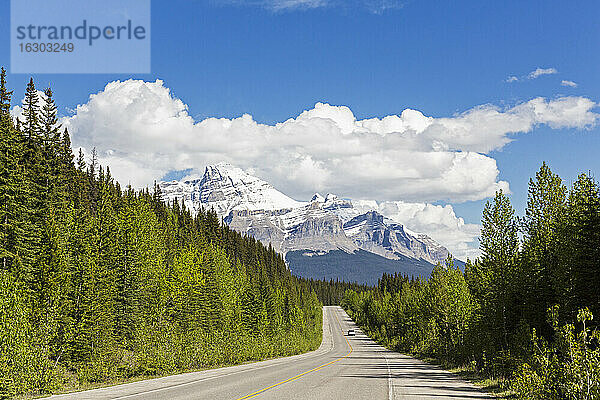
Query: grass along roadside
75, 388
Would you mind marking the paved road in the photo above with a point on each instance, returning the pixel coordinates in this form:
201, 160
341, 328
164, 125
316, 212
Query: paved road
348, 368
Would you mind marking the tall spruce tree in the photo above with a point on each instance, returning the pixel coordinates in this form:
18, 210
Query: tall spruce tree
31, 110
50, 137
5, 96
499, 247
30, 195
48, 118
9, 176
580, 251
538, 267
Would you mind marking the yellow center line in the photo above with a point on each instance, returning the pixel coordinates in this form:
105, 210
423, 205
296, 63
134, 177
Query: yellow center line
293, 378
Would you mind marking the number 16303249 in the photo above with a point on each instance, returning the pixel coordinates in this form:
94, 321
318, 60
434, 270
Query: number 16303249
46, 47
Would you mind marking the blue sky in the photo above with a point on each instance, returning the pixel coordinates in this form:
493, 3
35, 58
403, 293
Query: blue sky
274, 59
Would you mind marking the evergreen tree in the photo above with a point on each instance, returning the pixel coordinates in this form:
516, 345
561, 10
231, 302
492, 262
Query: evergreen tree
81, 164
51, 138
5, 98
538, 269
9, 176
48, 118
499, 247
31, 110
579, 270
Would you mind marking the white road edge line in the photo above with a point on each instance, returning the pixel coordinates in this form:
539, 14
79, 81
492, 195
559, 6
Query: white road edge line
390, 380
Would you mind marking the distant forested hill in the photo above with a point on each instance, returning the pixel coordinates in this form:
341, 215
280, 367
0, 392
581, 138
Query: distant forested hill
361, 266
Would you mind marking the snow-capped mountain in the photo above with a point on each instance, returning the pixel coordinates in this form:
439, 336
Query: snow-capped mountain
323, 224
224, 188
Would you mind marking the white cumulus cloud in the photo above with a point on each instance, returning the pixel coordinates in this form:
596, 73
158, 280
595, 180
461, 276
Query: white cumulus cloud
142, 131
568, 83
541, 71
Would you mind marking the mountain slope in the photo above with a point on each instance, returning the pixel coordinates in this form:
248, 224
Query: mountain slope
306, 227
373, 232
361, 266
325, 224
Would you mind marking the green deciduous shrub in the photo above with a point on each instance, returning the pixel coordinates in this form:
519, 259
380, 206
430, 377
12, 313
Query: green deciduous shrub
567, 368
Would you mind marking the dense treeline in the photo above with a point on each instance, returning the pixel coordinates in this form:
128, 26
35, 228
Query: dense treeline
100, 283
331, 293
522, 312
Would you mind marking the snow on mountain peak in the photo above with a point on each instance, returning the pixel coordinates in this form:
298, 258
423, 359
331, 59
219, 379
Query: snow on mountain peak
330, 197
224, 188
225, 170
318, 198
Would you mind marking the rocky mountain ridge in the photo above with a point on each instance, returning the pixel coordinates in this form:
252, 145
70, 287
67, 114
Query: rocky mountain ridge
325, 223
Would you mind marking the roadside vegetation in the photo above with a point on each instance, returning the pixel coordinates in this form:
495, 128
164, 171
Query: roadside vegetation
521, 317
100, 283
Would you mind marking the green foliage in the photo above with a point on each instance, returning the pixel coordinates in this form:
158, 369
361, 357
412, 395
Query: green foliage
493, 317
542, 240
101, 284
424, 317
568, 368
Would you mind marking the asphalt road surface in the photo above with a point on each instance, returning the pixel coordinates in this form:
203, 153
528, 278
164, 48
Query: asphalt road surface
344, 367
